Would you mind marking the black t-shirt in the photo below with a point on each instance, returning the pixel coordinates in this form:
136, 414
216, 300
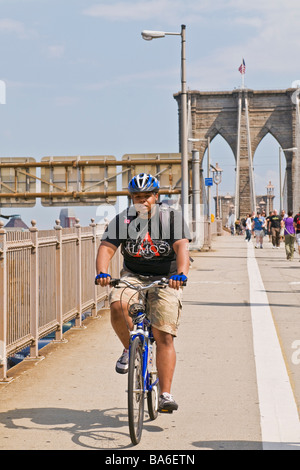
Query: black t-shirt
275, 221
147, 244
297, 222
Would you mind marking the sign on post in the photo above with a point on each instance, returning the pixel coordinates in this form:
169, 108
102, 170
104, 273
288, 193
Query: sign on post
208, 181
82, 180
165, 166
17, 182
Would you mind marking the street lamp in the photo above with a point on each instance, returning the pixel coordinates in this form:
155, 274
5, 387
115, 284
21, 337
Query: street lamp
148, 36
280, 184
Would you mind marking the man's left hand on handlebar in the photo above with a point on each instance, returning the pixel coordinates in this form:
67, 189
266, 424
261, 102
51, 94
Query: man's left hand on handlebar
177, 280
102, 279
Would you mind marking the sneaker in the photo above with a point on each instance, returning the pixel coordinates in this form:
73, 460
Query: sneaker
122, 363
166, 403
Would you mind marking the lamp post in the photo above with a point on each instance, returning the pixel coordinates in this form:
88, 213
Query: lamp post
148, 36
217, 178
207, 139
270, 197
196, 199
280, 183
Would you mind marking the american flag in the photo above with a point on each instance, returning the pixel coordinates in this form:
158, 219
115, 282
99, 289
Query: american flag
242, 67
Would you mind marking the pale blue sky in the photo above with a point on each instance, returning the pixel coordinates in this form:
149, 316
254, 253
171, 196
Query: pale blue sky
81, 81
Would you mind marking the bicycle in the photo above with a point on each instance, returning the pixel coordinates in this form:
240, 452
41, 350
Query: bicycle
143, 380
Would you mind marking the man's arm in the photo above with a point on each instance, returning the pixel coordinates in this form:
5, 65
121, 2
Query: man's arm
181, 248
105, 253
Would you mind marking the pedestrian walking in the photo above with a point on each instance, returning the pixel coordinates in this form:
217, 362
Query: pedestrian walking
275, 224
297, 229
283, 216
248, 228
258, 225
289, 235
237, 224
268, 226
263, 213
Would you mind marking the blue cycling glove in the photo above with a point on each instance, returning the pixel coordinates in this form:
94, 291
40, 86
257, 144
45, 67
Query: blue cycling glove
179, 277
101, 276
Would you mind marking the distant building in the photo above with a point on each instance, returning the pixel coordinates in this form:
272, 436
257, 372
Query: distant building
16, 223
67, 218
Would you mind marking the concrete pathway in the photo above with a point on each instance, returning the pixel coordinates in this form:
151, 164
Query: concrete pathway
74, 400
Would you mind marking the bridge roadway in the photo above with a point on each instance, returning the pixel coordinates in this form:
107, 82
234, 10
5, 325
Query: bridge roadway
73, 399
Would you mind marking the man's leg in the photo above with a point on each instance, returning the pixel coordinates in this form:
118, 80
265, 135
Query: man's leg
121, 322
273, 231
257, 240
278, 237
165, 308
287, 244
165, 359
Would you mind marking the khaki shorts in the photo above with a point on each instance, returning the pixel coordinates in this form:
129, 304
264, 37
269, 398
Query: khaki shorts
164, 305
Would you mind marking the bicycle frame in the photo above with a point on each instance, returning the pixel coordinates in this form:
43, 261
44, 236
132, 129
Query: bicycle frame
144, 332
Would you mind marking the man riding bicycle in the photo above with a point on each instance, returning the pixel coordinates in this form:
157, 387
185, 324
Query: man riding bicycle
154, 241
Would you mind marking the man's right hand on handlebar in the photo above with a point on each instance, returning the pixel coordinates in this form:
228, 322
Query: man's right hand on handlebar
102, 279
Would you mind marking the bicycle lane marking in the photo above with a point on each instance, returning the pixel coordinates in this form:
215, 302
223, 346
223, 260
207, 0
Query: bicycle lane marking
279, 417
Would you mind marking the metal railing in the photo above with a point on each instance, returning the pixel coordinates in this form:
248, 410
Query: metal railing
46, 279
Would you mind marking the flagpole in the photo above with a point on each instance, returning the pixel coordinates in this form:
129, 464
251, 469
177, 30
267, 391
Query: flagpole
242, 70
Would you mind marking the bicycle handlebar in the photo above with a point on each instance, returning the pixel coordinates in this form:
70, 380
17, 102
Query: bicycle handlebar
163, 282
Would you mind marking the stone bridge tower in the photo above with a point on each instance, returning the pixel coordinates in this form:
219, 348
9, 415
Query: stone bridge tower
243, 117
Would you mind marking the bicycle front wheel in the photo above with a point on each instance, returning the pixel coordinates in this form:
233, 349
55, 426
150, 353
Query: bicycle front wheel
136, 391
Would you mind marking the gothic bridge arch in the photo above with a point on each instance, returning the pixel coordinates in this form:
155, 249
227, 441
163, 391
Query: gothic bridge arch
243, 117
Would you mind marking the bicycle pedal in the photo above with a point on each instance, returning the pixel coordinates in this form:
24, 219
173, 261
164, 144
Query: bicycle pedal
165, 411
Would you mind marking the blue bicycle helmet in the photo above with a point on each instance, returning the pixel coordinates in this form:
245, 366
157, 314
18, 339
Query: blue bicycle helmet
143, 183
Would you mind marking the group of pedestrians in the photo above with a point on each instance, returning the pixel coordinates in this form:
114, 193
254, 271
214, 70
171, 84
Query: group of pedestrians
278, 227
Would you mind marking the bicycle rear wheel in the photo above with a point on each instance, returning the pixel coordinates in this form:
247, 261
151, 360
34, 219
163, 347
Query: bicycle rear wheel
153, 395
136, 391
